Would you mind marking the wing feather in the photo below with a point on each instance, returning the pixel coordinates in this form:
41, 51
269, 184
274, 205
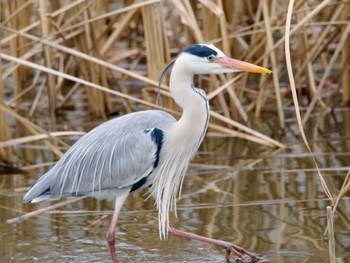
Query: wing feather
114, 155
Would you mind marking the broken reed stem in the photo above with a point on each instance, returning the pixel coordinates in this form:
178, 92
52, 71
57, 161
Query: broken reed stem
331, 241
43, 210
344, 189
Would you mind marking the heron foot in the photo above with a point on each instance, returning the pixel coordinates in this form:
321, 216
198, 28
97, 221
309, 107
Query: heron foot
111, 246
230, 248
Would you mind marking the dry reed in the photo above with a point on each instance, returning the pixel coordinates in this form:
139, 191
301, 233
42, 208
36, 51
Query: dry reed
331, 241
5, 153
80, 38
80, 43
45, 209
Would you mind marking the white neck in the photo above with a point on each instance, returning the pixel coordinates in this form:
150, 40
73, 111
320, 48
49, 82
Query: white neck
194, 103
182, 142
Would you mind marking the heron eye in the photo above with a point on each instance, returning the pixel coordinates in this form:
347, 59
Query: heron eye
211, 58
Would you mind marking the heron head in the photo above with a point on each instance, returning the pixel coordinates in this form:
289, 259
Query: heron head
208, 59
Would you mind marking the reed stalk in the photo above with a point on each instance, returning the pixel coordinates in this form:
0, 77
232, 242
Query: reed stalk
50, 85
275, 75
157, 47
5, 153
331, 240
346, 58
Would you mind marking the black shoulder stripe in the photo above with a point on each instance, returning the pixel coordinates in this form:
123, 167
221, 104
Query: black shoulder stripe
157, 136
138, 184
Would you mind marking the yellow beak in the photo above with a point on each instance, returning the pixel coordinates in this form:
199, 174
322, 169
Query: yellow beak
239, 65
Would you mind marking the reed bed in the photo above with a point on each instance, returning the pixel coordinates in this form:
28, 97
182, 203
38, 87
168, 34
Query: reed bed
53, 50
110, 54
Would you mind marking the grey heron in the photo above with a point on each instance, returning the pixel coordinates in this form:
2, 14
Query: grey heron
145, 148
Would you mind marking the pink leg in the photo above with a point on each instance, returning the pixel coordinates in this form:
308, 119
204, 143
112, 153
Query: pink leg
229, 247
110, 237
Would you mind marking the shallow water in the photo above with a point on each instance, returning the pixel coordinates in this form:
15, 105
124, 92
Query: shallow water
267, 202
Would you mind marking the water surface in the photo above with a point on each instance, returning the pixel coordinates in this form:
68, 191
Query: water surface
268, 202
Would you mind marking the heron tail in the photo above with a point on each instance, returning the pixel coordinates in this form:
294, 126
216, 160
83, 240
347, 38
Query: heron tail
40, 191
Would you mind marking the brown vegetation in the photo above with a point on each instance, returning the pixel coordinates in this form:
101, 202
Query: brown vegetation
47, 45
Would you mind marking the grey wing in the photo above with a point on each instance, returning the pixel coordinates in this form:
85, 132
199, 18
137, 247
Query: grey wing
117, 154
